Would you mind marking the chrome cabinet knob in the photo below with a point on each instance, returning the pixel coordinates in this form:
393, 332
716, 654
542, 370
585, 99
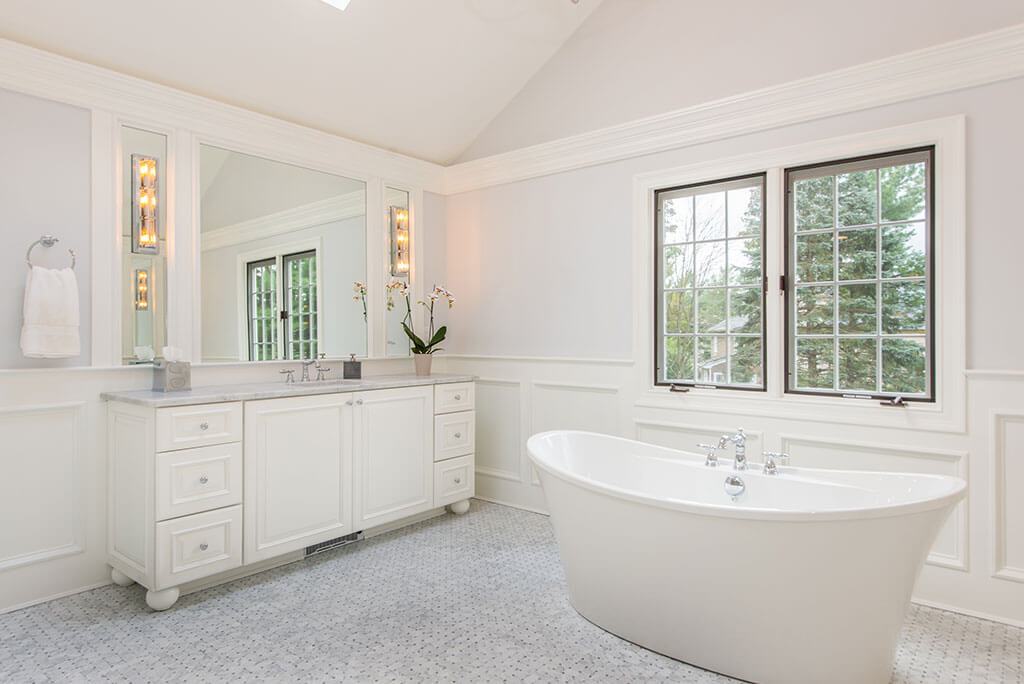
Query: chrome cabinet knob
359, 402
458, 397
203, 479
458, 435
348, 403
204, 546
458, 480
204, 426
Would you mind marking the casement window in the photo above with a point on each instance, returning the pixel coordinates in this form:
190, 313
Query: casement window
859, 277
709, 284
282, 299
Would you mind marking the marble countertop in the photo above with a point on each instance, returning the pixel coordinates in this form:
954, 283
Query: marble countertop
273, 390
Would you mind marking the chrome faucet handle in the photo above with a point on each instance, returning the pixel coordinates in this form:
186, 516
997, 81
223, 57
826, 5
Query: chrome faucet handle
771, 461
723, 441
305, 369
711, 459
289, 374
321, 372
740, 437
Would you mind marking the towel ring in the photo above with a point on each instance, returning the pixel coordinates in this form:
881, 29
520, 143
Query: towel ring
47, 241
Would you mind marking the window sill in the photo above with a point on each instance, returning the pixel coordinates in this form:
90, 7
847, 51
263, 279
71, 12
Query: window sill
837, 410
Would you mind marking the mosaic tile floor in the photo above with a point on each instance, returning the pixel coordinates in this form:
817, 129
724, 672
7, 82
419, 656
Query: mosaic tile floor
477, 598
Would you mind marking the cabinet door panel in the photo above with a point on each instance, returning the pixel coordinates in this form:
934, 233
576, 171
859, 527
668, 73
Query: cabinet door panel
298, 473
393, 454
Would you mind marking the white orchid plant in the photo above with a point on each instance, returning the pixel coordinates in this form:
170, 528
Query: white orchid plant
359, 287
434, 337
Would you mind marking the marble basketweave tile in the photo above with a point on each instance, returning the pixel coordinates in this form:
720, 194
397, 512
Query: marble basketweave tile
476, 598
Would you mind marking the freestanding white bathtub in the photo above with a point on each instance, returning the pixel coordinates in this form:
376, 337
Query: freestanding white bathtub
805, 577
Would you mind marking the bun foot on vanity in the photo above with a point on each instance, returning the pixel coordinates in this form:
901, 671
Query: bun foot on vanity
119, 578
459, 507
162, 600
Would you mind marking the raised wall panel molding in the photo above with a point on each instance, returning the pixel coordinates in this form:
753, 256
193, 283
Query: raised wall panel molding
699, 428
23, 440
999, 487
481, 453
44, 74
973, 61
958, 558
540, 359
283, 222
576, 386
996, 374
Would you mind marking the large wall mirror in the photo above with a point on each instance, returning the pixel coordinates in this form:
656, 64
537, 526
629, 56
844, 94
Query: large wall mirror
281, 250
143, 245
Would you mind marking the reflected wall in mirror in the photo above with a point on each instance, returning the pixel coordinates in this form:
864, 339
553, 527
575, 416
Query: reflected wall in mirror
396, 205
143, 245
282, 248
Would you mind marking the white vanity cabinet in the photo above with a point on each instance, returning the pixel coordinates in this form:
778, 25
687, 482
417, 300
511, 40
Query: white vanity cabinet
202, 489
298, 473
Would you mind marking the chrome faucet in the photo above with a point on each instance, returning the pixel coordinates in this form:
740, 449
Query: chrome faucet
771, 459
305, 369
740, 440
321, 371
711, 459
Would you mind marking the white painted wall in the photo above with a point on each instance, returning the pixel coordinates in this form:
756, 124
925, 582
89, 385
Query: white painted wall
44, 188
553, 253
637, 58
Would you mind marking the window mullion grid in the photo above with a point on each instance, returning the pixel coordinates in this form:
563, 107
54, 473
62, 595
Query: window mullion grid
878, 281
728, 295
835, 282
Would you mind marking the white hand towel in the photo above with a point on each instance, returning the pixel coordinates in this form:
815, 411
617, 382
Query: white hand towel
50, 329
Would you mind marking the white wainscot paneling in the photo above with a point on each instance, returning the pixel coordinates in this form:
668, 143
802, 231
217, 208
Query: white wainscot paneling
950, 549
41, 493
499, 450
1008, 509
687, 436
572, 406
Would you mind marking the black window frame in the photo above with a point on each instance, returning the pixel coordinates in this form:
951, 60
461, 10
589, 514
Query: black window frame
658, 283
788, 283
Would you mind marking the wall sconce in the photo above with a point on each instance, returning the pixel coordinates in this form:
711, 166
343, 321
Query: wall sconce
399, 241
141, 289
145, 231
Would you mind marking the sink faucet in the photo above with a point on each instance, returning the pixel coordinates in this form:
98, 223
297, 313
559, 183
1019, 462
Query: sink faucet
321, 371
305, 369
740, 440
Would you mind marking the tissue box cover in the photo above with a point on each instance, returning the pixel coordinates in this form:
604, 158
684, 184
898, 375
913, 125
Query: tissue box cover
172, 376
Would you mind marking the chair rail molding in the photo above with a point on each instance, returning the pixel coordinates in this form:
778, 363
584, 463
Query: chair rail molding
973, 61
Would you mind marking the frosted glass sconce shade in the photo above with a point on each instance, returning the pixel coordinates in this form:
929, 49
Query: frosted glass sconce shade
141, 289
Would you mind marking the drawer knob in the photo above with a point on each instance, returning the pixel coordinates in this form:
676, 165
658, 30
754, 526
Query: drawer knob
359, 402
203, 479
458, 480
458, 435
458, 397
204, 426
204, 546
348, 403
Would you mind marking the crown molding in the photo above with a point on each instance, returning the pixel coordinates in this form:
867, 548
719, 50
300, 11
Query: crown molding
44, 74
973, 61
317, 213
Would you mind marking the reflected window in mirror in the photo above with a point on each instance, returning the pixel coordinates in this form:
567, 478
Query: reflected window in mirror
281, 247
143, 245
283, 307
397, 215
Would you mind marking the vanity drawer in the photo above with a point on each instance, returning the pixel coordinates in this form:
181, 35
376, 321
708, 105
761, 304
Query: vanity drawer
184, 427
454, 434
198, 545
453, 480
195, 480
453, 396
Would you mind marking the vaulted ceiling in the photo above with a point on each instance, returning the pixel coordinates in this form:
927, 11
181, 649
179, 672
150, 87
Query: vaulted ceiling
420, 77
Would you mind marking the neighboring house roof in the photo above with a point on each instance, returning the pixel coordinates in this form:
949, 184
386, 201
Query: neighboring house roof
733, 322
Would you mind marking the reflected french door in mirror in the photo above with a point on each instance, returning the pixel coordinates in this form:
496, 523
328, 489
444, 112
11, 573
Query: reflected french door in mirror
284, 305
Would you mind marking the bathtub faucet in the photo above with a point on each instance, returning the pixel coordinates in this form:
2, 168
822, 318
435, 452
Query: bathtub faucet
740, 440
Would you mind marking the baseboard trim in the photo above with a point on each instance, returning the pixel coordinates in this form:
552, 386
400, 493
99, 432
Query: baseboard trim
970, 613
509, 504
53, 597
